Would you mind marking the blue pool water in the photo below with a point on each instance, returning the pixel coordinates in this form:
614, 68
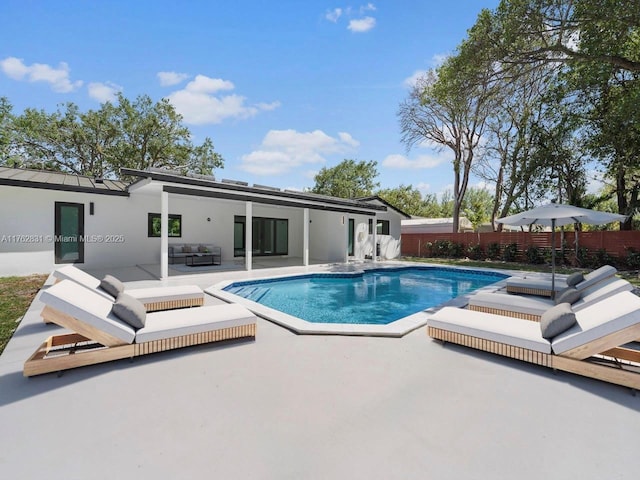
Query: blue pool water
378, 296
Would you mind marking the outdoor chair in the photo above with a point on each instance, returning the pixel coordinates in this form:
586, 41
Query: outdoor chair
532, 307
542, 286
102, 332
594, 346
156, 298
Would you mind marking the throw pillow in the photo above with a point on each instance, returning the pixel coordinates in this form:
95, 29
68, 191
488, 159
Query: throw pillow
203, 249
186, 249
575, 278
568, 295
556, 320
130, 310
111, 285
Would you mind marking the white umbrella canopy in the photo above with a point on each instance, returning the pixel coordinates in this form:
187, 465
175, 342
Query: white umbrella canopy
558, 214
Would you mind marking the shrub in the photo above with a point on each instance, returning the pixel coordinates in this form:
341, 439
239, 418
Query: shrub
633, 259
456, 250
493, 251
534, 255
510, 252
474, 252
582, 257
441, 248
601, 257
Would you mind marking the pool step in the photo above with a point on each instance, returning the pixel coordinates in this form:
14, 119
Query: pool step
253, 293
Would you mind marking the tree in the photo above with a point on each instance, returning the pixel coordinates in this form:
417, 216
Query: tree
348, 179
448, 107
477, 207
536, 32
135, 134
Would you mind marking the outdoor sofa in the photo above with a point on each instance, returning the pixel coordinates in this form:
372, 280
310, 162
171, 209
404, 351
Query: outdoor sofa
593, 347
178, 252
156, 298
542, 286
532, 307
102, 332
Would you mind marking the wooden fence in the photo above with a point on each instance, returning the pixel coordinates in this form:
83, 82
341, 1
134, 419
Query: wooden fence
615, 243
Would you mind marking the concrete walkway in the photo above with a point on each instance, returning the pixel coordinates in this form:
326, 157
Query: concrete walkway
310, 407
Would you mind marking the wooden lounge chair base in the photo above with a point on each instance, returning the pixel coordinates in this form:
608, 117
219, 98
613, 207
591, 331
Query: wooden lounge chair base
507, 313
62, 352
171, 304
618, 365
541, 292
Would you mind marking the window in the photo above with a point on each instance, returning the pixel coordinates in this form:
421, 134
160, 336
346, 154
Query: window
269, 236
382, 227
153, 225
371, 226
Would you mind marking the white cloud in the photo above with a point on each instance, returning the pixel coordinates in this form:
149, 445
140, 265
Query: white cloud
58, 77
411, 81
362, 25
439, 58
333, 15
423, 187
168, 79
420, 162
284, 150
368, 7
199, 104
103, 92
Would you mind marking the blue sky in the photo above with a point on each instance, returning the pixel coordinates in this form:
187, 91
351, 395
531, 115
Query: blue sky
283, 88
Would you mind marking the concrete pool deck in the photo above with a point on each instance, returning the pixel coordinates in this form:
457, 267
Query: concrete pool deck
289, 406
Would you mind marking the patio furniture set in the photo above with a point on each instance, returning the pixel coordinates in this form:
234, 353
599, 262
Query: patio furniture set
195, 254
586, 330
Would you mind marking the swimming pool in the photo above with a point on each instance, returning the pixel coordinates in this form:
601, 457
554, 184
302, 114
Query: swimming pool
372, 297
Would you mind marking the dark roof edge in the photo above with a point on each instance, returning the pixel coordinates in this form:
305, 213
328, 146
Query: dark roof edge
380, 199
239, 188
61, 187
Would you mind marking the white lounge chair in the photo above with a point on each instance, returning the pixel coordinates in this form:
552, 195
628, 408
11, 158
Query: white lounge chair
593, 347
542, 286
101, 336
531, 307
156, 298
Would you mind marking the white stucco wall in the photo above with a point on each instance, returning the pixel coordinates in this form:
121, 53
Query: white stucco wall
28, 214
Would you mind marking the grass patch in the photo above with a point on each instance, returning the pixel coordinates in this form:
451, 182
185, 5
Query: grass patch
632, 277
16, 294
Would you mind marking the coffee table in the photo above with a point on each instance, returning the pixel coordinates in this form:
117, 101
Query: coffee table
199, 259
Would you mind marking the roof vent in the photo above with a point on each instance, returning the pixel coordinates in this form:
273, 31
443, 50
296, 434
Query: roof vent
266, 187
235, 182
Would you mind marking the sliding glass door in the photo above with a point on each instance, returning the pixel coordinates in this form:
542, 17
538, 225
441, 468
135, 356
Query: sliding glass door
269, 236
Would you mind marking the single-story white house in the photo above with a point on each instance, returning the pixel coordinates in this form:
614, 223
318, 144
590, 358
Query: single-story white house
434, 225
50, 218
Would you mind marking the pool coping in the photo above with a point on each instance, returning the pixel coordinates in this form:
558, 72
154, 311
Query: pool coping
397, 328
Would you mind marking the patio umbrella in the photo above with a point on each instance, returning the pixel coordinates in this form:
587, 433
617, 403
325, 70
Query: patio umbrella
558, 214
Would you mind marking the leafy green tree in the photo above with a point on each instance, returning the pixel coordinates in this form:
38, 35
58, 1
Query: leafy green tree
478, 205
536, 32
406, 198
136, 134
348, 179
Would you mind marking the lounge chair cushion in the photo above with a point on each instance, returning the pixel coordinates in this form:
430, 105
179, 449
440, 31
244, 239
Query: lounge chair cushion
176, 323
574, 279
556, 320
507, 330
87, 306
166, 294
568, 295
511, 303
112, 285
599, 319
596, 276
71, 272
130, 310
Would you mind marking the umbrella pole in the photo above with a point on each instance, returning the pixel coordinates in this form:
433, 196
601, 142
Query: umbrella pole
553, 258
